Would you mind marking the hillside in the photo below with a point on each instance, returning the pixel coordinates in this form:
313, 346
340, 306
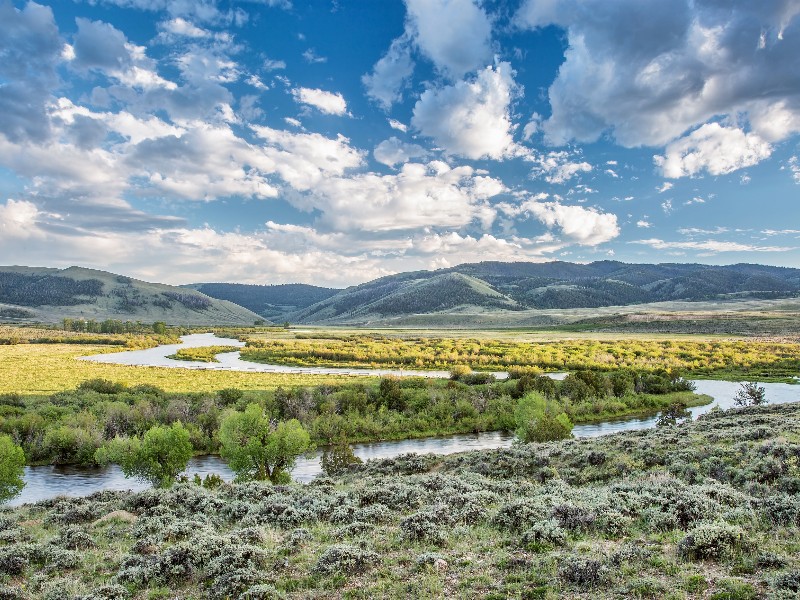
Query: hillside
517, 292
49, 295
270, 301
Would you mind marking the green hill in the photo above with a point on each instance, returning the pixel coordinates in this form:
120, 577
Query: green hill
494, 289
49, 295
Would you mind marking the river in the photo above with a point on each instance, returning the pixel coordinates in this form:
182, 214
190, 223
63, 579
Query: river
45, 482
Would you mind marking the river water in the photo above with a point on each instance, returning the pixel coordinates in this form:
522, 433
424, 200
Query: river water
45, 482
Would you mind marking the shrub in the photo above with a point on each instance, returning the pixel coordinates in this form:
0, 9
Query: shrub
158, 457
345, 559
102, 386
544, 534
263, 591
229, 396
427, 525
711, 541
750, 394
12, 463
581, 572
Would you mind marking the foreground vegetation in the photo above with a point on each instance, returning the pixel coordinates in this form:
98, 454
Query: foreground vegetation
718, 358
705, 509
70, 426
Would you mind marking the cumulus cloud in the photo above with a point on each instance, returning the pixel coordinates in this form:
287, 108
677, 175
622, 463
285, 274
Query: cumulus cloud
712, 148
649, 71
395, 124
99, 46
454, 34
392, 151
471, 118
390, 74
329, 103
586, 226
432, 195
17, 219
556, 167
577, 224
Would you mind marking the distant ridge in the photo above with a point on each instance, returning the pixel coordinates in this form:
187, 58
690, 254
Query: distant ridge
524, 286
270, 301
49, 295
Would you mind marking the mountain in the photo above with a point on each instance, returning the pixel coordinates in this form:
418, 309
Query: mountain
492, 287
49, 295
270, 301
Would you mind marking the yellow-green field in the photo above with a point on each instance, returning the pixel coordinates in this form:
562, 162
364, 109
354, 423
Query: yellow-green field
48, 368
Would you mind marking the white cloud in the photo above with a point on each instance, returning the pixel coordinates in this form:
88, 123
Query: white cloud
181, 27
312, 58
470, 118
454, 34
712, 148
556, 167
578, 224
273, 65
304, 159
710, 246
532, 127
644, 223
395, 124
392, 151
390, 74
649, 71
101, 47
329, 103
666, 206
665, 187
793, 164
432, 195
17, 219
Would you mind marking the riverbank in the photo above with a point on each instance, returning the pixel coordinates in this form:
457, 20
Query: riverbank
673, 512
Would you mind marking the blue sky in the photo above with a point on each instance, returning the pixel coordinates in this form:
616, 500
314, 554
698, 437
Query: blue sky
331, 142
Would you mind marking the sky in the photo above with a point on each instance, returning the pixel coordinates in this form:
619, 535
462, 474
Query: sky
335, 141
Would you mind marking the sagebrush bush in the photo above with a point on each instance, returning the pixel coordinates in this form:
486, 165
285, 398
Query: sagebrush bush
544, 534
712, 541
582, 572
346, 560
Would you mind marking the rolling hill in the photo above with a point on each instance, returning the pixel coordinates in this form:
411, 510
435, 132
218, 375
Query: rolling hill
49, 295
502, 288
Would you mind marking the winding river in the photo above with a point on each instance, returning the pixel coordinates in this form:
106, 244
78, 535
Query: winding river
45, 482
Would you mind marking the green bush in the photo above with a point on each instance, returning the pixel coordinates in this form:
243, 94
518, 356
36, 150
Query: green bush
12, 463
712, 541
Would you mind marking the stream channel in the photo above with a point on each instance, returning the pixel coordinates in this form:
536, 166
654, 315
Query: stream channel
49, 481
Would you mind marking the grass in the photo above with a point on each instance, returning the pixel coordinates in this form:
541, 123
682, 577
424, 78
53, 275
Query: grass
734, 358
206, 354
705, 509
33, 369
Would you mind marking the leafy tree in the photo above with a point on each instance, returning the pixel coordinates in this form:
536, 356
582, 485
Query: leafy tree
160, 327
750, 394
12, 462
539, 420
258, 448
158, 457
670, 417
337, 458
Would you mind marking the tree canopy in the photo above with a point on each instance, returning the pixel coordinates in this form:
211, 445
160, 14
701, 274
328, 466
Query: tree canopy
258, 448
